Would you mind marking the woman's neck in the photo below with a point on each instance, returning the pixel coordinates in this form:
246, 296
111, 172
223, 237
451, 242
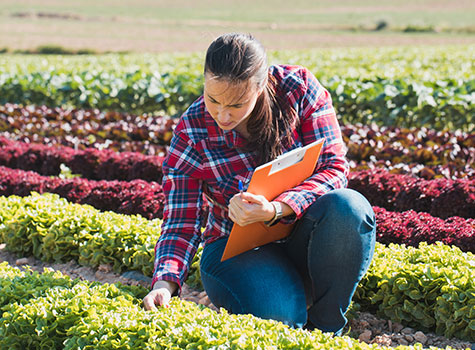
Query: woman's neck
242, 129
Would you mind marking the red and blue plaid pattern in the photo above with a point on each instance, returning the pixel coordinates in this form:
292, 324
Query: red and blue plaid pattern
204, 159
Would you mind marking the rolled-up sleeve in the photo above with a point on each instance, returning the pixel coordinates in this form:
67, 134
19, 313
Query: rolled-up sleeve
318, 120
181, 227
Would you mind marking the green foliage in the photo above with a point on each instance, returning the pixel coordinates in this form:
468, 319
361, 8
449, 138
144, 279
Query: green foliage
55, 50
112, 82
66, 173
440, 105
21, 286
412, 28
38, 309
431, 287
403, 87
52, 229
61, 313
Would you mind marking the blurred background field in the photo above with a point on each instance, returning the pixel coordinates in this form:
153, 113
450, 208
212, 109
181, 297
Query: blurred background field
404, 63
165, 26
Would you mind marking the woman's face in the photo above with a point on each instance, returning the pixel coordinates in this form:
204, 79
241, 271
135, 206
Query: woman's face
230, 104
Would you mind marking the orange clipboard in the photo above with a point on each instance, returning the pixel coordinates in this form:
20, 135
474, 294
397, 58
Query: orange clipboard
270, 180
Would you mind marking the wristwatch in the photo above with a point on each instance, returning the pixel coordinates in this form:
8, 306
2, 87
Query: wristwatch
278, 214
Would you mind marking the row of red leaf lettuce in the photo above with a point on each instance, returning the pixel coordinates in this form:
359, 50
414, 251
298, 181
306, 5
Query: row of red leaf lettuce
90, 163
98, 164
439, 197
421, 151
124, 197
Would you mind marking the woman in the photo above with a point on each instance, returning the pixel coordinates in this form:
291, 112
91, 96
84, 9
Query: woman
248, 115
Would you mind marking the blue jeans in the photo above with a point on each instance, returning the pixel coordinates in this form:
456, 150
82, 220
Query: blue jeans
310, 278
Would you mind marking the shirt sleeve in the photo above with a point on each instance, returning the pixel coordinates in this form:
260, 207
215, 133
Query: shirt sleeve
181, 227
318, 120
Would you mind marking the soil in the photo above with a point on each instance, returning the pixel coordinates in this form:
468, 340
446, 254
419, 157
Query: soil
366, 327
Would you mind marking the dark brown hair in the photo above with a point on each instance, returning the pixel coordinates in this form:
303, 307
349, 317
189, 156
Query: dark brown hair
241, 58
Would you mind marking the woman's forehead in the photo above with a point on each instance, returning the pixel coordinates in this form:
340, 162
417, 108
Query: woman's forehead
228, 91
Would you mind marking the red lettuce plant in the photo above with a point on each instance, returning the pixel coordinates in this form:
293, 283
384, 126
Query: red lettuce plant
133, 197
90, 163
439, 197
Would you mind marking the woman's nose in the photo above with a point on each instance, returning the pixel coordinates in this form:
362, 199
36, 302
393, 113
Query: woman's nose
224, 115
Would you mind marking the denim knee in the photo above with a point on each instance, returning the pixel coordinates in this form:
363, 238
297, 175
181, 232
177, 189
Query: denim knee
242, 284
344, 206
340, 249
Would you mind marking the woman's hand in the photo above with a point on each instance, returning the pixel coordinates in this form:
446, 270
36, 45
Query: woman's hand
246, 208
160, 295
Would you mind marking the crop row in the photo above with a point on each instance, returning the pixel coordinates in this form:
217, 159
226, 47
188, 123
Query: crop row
81, 124
124, 197
387, 99
421, 63
147, 200
440, 105
431, 287
411, 228
51, 311
439, 197
424, 152
456, 162
90, 163
52, 229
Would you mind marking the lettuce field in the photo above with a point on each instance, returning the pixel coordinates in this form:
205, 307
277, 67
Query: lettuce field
82, 142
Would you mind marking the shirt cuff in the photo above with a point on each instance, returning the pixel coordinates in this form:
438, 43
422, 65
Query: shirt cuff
288, 220
169, 278
298, 202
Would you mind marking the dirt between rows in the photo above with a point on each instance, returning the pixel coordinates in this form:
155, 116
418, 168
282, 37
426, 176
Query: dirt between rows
366, 327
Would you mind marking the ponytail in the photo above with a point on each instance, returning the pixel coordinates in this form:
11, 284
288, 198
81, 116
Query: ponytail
271, 123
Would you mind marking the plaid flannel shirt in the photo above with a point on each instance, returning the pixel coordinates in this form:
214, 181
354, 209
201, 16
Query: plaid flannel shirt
204, 158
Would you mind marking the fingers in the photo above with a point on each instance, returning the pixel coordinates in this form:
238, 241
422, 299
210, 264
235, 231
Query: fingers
149, 303
247, 208
155, 297
251, 198
234, 213
247, 197
238, 210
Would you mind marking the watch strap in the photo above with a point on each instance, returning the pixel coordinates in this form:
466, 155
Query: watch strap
278, 214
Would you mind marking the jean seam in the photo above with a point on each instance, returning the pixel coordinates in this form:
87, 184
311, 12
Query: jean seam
225, 287
309, 250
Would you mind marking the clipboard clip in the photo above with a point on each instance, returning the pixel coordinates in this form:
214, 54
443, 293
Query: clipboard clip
287, 160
